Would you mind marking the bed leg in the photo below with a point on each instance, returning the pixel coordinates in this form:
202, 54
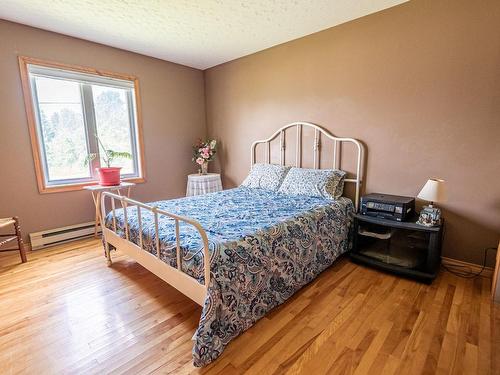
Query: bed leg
108, 254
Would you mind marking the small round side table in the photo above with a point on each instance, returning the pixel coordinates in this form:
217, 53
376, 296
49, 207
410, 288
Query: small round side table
198, 184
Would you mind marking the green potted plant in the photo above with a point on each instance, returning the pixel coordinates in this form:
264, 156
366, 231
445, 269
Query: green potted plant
108, 176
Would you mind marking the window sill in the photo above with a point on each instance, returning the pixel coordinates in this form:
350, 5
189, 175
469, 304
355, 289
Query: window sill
80, 186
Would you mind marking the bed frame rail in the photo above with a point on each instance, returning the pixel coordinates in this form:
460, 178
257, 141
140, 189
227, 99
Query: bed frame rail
176, 277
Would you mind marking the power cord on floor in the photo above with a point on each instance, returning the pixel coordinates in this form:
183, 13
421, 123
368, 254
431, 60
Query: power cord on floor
461, 271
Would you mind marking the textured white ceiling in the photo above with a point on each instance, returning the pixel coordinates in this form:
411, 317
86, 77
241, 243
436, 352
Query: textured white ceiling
199, 33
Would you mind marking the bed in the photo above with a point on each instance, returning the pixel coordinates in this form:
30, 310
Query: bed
240, 252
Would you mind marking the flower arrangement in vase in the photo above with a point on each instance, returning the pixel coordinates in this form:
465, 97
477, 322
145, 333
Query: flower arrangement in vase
204, 152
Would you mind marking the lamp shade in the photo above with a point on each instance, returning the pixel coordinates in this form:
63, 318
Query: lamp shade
433, 191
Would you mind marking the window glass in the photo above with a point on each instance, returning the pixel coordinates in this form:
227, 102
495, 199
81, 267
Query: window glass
62, 129
113, 122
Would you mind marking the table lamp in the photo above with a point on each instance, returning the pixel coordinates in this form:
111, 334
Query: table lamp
433, 191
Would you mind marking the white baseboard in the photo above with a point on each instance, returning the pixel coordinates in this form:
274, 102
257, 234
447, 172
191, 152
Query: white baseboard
56, 236
475, 268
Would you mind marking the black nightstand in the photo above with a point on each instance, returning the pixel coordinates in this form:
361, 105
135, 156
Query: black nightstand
403, 248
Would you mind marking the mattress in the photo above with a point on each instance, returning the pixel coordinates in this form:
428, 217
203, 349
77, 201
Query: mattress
263, 245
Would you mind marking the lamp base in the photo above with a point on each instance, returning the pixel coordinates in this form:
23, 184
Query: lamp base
430, 216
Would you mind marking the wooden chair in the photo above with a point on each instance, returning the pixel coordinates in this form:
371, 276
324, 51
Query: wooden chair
6, 238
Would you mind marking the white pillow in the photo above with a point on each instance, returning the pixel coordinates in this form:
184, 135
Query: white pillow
326, 183
266, 176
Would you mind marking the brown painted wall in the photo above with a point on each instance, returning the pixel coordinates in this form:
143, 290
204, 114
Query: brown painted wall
173, 117
419, 84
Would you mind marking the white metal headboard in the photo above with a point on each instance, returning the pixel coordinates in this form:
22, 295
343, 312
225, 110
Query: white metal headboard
316, 147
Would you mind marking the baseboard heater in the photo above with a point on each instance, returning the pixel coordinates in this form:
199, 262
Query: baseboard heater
51, 237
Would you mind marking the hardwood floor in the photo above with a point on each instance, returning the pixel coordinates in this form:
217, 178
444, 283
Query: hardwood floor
66, 312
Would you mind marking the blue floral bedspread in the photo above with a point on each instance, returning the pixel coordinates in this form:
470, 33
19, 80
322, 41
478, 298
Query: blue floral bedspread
264, 246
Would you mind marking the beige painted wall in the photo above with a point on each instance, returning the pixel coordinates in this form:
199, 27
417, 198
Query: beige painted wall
419, 84
173, 116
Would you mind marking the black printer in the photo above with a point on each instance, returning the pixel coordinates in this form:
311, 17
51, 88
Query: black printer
391, 207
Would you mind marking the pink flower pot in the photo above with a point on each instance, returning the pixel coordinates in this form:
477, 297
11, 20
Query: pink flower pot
109, 176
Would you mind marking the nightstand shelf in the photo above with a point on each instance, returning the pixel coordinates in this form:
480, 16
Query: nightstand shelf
403, 248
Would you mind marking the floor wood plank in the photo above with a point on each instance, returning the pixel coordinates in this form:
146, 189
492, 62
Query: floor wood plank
66, 312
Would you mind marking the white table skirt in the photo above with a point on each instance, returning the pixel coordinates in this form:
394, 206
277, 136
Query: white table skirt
203, 183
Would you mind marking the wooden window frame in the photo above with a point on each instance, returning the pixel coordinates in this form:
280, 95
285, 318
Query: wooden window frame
43, 188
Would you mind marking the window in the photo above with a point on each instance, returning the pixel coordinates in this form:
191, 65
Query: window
67, 107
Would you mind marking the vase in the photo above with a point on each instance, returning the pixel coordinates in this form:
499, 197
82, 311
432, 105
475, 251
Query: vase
204, 168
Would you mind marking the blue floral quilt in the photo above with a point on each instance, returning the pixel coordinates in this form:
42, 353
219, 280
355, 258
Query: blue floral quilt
264, 246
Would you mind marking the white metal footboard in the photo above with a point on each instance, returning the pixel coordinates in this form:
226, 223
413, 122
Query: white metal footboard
186, 284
